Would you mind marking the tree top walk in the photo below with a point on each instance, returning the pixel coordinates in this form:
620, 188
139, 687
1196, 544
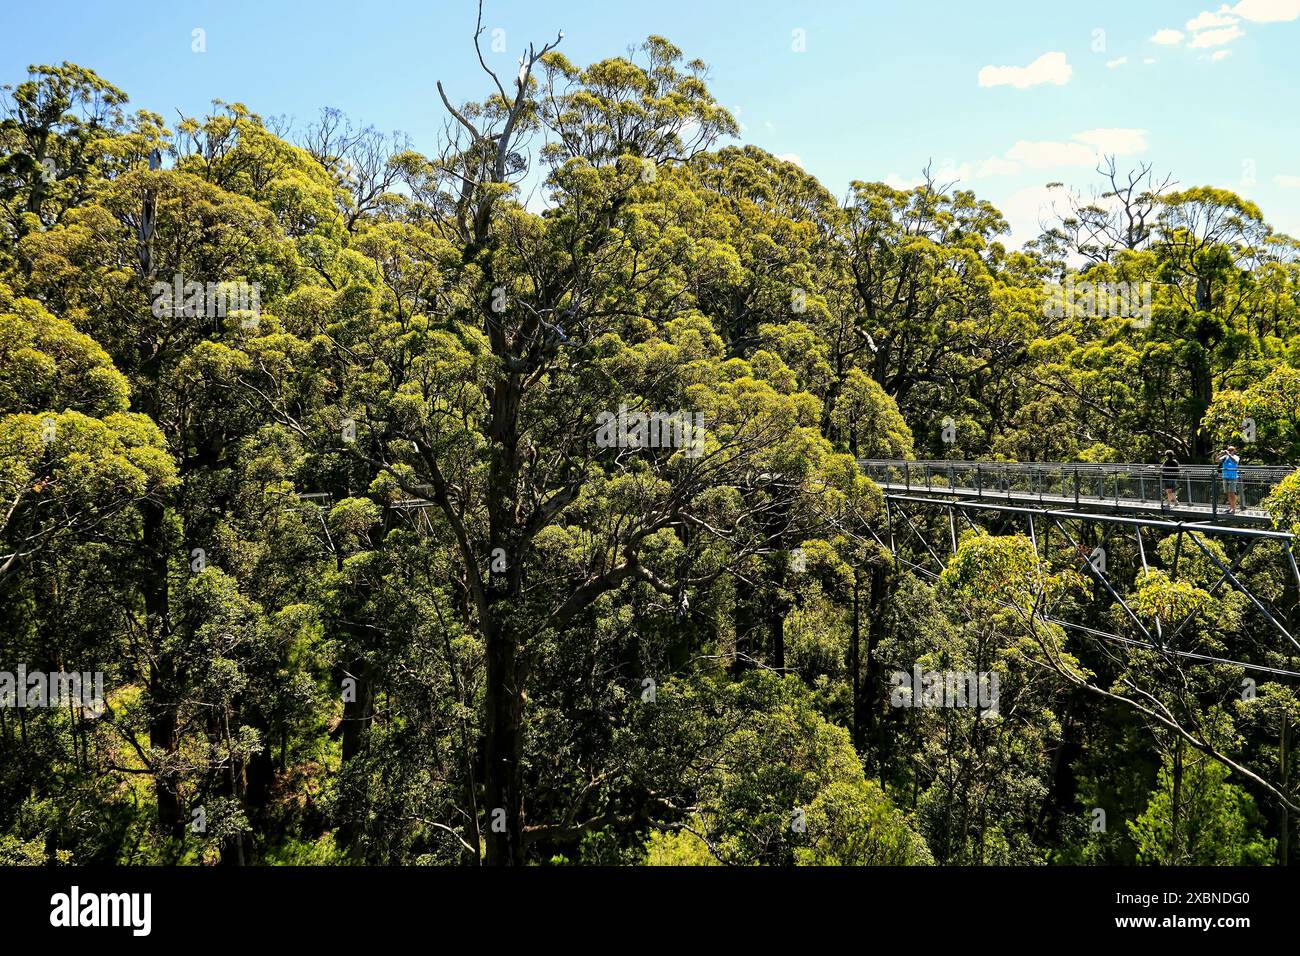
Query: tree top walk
1116, 488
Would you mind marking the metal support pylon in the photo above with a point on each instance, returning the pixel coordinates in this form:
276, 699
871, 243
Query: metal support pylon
1041, 520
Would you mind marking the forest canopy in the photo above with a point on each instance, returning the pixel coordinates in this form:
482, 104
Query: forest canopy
502, 505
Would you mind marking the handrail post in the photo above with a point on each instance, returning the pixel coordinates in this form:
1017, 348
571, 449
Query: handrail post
979, 482
1076, 486
1214, 493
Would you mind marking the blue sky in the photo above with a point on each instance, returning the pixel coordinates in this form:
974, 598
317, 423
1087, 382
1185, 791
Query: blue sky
1003, 96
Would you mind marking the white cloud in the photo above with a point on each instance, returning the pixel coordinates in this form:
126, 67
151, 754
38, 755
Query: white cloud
1149, 60
1268, 11
1208, 20
1220, 54
1048, 68
950, 171
1086, 150
1211, 29
1111, 64
1287, 182
1025, 210
1208, 38
1046, 154
996, 166
895, 181
791, 158
1115, 141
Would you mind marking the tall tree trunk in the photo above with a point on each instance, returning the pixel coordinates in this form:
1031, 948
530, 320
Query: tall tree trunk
358, 714
1202, 373
1202, 398
163, 733
503, 771
1176, 802
1284, 761
777, 605
875, 631
503, 780
235, 848
778, 638
745, 619
855, 642
36, 196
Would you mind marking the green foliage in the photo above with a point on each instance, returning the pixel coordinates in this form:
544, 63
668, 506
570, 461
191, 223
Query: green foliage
1196, 818
682, 848
368, 585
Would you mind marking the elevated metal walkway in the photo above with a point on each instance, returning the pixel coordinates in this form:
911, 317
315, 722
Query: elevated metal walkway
1115, 499
1135, 489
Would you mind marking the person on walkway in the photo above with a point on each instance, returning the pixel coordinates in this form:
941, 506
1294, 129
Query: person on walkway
1169, 478
1229, 468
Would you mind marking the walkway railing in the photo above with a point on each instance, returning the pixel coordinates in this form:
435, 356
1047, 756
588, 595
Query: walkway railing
1198, 486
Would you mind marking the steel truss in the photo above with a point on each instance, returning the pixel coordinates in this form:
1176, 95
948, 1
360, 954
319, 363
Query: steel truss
901, 528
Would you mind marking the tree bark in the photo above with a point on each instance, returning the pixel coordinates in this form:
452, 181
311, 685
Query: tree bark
875, 630
163, 733
358, 714
855, 642
1176, 803
503, 771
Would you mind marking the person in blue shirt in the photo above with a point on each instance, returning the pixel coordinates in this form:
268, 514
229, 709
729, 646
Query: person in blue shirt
1229, 467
